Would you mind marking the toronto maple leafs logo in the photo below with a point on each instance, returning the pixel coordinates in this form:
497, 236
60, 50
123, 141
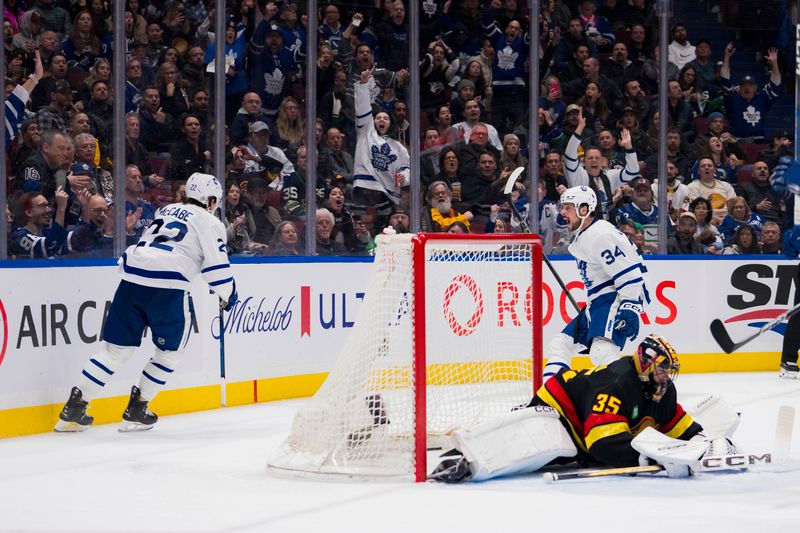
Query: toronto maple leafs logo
274, 81
382, 157
506, 58
751, 115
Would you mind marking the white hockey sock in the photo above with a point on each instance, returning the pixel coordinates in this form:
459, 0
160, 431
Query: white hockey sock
99, 369
559, 354
156, 373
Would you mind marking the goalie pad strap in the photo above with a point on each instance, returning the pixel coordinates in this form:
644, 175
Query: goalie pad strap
521, 441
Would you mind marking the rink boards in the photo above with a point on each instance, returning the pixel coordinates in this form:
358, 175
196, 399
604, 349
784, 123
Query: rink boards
284, 337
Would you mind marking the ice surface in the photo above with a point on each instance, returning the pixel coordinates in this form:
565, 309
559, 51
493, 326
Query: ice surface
206, 472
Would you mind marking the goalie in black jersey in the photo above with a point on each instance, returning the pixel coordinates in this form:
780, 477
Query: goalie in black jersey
588, 416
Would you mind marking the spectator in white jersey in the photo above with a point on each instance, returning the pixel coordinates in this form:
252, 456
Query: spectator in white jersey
185, 241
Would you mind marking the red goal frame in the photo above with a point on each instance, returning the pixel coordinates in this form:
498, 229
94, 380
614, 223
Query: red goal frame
420, 375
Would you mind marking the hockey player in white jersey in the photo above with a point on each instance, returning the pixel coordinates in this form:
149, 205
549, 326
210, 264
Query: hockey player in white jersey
185, 240
603, 182
380, 163
613, 275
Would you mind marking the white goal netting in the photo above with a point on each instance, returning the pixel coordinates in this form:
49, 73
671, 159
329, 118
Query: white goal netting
472, 325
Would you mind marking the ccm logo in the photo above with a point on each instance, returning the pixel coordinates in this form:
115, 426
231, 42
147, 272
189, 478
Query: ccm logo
738, 460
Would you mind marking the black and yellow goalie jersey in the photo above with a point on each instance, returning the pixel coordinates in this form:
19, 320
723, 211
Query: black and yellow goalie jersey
606, 406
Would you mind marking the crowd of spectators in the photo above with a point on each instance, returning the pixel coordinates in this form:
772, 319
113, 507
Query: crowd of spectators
597, 114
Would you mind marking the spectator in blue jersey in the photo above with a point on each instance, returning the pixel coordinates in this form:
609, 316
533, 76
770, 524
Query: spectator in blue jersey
269, 66
39, 235
746, 106
641, 209
331, 29
292, 26
508, 70
83, 46
141, 211
596, 27
739, 214
15, 102
233, 69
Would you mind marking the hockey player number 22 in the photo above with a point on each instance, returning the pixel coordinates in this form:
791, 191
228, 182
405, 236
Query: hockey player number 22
160, 239
606, 404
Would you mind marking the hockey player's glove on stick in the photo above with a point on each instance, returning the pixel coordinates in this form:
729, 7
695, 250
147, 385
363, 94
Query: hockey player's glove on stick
234, 297
627, 319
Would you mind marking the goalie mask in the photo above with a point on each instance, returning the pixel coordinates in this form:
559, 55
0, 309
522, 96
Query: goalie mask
657, 365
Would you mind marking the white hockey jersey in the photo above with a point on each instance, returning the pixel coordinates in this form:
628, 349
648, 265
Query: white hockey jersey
377, 158
183, 241
576, 175
609, 263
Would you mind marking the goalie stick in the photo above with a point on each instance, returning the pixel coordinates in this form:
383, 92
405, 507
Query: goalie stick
509, 188
722, 463
723, 337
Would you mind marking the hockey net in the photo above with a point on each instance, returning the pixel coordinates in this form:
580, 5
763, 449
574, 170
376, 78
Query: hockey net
448, 335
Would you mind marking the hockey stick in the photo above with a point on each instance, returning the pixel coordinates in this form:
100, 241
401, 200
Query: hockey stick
509, 188
552, 477
723, 337
223, 387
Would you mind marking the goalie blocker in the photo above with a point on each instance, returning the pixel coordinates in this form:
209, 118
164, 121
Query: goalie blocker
592, 416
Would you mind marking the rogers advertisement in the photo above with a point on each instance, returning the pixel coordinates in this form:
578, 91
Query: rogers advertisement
293, 317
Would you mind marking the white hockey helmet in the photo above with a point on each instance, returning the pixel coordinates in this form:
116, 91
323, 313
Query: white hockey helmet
201, 187
579, 196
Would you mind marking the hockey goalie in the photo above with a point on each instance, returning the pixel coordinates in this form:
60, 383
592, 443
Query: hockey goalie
622, 414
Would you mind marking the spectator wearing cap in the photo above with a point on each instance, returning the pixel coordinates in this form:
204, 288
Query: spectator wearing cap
641, 209
56, 115
465, 91
269, 66
25, 143
267, 161
511, 157
289, 22
763, 200
509, 78
746, 106
716, 128
629, 122
683, 241
234, 67
681, 51
265, 216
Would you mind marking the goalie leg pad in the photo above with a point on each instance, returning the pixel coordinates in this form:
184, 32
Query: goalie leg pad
518, 442
716, 416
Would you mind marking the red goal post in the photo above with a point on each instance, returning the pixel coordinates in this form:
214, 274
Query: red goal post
449, 334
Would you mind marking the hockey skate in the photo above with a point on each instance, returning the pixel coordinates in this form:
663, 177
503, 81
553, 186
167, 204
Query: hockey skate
789, 370
73, 417
137, 417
